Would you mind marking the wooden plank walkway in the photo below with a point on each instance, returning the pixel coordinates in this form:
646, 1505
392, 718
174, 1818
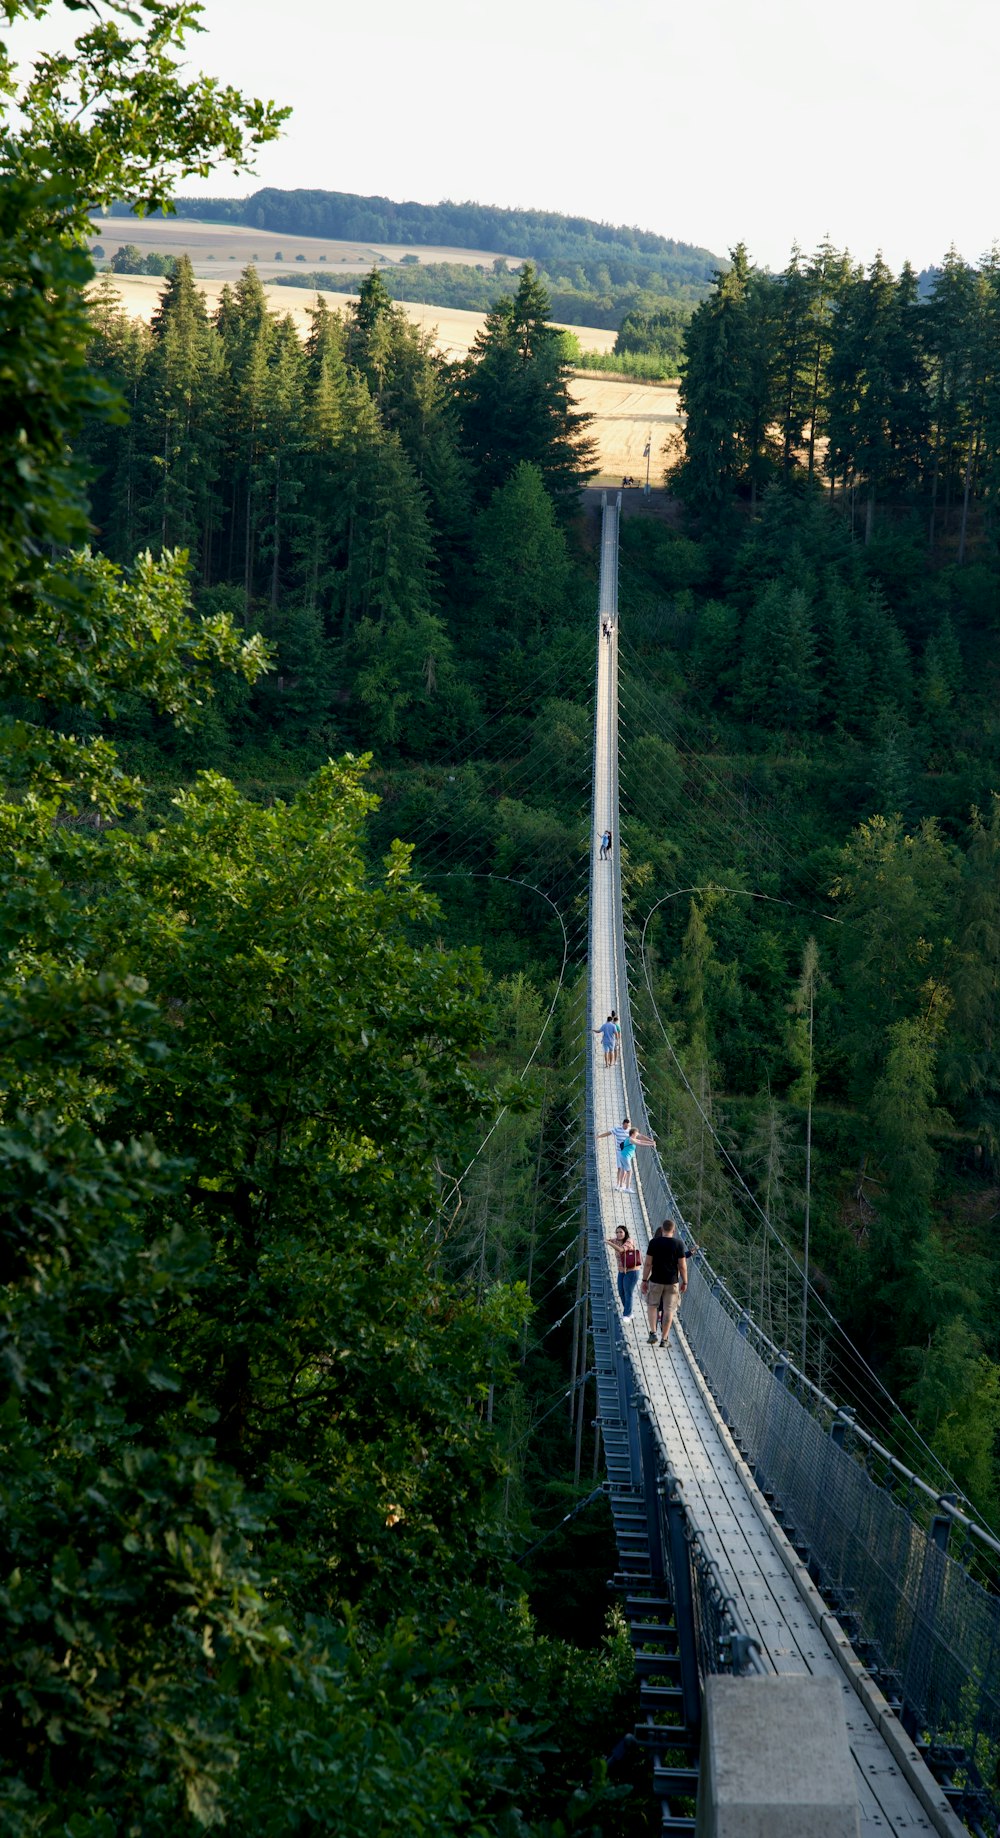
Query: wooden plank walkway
719, 1494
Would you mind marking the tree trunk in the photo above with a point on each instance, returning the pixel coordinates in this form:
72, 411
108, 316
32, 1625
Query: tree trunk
814, 412
166, 475
247, 548
966, 490
276, 530
347, 621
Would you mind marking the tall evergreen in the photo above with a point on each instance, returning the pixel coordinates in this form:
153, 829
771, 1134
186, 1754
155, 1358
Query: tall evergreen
878, 409
179, 421
281, 448
118, 352
247, 328
728, 389
514, 402
521, 563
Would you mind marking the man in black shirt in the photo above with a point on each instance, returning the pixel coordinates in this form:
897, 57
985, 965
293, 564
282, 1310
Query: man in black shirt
664, 1277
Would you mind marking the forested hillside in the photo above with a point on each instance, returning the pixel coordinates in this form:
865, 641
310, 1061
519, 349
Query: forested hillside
545, 236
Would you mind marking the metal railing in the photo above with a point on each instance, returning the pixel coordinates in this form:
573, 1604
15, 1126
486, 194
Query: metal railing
929, 1625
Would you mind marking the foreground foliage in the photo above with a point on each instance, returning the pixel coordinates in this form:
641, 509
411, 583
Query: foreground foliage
253, 1569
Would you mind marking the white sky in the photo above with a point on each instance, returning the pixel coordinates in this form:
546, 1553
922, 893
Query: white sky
710, 120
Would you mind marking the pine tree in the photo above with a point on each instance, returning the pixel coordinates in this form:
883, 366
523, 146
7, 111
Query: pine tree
829, 274
319, 529
119, 352
972, 1049
878, 396
178, 422
247, 329
281, 446
903, 1118
372, 324
728, 389
794, 347
779, 683
520, 559
514, 404
845, 674
948, 327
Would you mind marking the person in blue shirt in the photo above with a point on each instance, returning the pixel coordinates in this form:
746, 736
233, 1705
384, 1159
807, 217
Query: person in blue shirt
608, 1031
627, 1140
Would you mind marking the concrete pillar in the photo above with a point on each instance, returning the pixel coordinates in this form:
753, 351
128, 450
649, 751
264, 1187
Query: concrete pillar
775, 1762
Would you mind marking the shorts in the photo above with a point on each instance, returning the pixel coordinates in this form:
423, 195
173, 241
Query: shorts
627, 1162
670, 1296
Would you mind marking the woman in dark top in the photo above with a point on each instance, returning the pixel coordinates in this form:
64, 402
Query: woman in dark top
629, 1258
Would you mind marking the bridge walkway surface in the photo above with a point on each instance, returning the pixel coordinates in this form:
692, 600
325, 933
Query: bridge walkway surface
778, 1605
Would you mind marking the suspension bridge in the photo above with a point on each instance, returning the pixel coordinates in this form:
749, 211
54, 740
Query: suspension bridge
762, 1534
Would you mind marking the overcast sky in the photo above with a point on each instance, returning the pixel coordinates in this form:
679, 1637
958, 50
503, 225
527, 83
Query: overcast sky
710, 120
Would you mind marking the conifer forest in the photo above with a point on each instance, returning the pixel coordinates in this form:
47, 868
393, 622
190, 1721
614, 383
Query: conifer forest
299, 1485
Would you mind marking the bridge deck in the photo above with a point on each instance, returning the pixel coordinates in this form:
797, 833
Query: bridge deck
700, 1450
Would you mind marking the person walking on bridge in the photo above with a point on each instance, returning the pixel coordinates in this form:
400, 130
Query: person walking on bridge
608, 1031
627, 1140
620, 1133
629, 1257
605, 845
626, 1157
664, 1278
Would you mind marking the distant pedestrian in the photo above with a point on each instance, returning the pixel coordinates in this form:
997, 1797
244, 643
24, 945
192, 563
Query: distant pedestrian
609, 1039
664, 1278
613, 1018
606, 629
629, 1257
605, 845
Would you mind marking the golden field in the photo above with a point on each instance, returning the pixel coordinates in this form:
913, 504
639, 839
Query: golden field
208, 244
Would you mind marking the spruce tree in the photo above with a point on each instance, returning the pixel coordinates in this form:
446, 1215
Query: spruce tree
878, 396
178, 420
949, 338
728, 389
281, 447
119, 353
520, 562
514, 402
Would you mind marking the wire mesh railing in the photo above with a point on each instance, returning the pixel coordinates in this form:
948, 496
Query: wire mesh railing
877, 1537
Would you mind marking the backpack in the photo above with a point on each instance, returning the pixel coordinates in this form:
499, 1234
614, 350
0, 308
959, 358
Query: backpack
632, 1257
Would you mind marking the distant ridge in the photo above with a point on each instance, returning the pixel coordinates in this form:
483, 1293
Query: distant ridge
619, 254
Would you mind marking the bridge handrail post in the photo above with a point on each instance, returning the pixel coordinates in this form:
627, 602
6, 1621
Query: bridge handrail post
683, 1594
650, 1469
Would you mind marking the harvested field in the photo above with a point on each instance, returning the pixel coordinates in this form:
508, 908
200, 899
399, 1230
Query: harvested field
625, 413
208, 244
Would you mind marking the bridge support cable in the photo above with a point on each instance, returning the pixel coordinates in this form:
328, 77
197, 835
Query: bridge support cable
708, 1579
